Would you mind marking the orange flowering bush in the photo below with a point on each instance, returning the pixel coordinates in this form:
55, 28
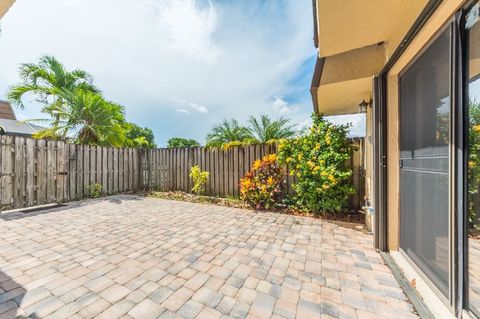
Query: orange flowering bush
262, 186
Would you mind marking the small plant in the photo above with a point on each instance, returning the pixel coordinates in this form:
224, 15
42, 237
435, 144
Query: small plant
263, 185
95, 190
319, 161
200, 179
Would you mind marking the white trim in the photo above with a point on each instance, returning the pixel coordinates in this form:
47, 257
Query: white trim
430, 298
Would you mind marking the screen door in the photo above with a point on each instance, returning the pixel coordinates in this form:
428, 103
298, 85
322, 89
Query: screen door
424, 161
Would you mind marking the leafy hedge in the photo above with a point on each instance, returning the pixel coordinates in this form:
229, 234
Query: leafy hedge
319, 160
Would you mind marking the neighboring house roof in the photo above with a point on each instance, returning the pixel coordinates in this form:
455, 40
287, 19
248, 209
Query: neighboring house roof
20, 128
4, 6
6, 111
10, 126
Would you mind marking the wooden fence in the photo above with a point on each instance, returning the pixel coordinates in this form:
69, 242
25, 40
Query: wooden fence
37, 172
169, 169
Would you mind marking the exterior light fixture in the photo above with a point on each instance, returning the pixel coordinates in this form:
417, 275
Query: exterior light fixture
364, 104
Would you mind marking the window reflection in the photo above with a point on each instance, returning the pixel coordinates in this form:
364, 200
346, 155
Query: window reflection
473, 169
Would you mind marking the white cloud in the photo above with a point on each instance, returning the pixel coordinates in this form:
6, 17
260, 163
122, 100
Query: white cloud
357, 121
305, 124
281, 106
199, 108
183, 111
195, 106
190, 28
226, 58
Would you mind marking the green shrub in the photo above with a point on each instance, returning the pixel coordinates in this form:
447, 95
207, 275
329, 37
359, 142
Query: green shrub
180, 142
474, 167
95, 191
200, 179
319, 161
263, 185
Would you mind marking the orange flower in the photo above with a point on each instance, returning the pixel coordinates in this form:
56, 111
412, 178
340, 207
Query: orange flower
257, 164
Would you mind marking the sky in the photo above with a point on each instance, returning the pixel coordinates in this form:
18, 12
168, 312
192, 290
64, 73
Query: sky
177, 66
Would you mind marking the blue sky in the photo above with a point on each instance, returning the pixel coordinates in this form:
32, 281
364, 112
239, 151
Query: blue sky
178, 66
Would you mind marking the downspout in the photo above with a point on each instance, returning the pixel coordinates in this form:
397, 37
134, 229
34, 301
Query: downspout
381, 161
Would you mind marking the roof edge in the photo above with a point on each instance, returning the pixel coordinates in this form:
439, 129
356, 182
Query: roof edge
315, 23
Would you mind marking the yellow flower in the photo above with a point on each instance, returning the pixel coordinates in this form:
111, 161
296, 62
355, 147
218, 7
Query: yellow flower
271, 158
325, 186
257, 164
472, 164
246, 183
270, 181
316, 168
323, 173
311, 164
300, 156
289, 159
332, 179
476, 128
322, 162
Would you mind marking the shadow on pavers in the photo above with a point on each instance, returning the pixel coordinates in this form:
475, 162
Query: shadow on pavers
11, 296
40, 210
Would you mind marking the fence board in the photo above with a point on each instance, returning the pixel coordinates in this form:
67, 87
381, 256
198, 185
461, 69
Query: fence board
93, 165
86, 170
19, 172
72, 172
61, 172
31, 176
7, 172
51, 163
99, 170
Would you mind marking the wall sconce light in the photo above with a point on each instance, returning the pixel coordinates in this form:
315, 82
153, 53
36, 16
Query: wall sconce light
364, 104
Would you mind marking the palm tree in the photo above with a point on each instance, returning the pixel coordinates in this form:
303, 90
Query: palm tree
47, 81
265, 129
87, 118
226, 132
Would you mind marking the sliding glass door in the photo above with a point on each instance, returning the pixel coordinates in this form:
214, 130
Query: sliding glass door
425, 109
433, 185
473, 165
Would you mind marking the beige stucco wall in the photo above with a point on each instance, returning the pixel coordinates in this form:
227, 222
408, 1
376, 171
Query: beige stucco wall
343, 97
443, 14
356, 45
356, 64
408, 14
344, 25
4, 6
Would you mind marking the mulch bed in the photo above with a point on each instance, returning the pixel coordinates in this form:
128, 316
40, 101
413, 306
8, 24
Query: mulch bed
354, 220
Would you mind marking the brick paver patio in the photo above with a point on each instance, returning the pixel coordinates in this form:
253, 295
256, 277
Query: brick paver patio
133, 257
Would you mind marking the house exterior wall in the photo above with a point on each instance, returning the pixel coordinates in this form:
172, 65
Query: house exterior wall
363, 23
338, 90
